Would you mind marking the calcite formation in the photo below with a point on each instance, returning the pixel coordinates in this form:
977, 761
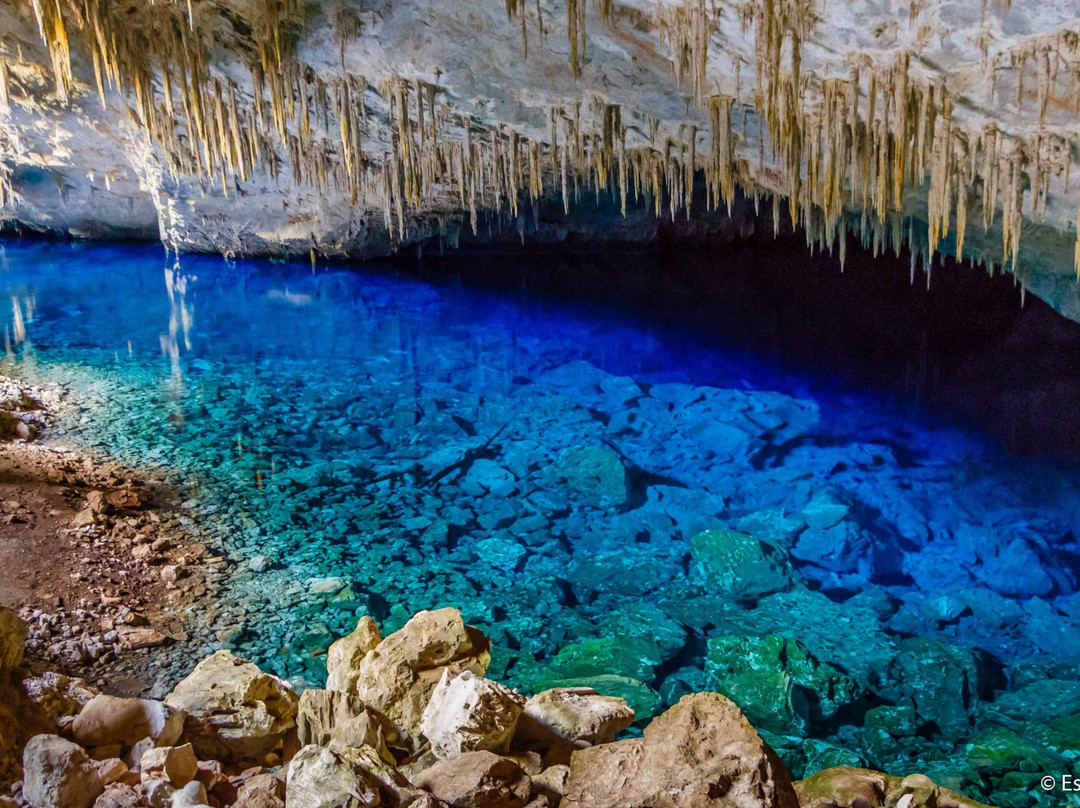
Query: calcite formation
355, 127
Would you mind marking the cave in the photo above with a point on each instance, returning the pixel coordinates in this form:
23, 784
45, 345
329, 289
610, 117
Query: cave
554, 404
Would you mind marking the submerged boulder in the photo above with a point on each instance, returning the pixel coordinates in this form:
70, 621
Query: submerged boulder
739, 565
941, 683
399, 675
235, 712
595, 473
700, 753
780, 685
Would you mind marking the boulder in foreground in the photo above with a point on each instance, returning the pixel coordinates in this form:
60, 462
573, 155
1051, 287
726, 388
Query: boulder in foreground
235, 713
701, 753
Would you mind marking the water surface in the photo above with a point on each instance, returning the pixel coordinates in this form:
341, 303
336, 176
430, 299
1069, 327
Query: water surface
908, 598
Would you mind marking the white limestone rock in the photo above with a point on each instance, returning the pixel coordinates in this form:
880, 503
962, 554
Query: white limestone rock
467, 713
319, 778
397, 678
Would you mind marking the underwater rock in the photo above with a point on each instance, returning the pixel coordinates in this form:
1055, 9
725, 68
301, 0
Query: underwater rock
344, 656
940, 682
571, 716
397, 678
467, 713
824, 511
235, 712
777, 682
488, 476
478, 780
59, 774
740, 565
1016, 570
890, 730
841, 547
109, 720
667, 767
594, 473
633, 657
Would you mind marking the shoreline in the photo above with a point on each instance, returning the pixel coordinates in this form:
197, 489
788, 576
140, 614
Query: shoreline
98, 558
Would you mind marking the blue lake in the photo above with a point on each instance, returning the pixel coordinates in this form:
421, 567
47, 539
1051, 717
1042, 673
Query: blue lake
613, 499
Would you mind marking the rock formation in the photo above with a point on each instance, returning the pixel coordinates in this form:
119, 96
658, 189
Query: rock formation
471, 750
356, 127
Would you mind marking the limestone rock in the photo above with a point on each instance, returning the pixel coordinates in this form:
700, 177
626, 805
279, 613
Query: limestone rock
108, 720
333, 718
12, 639
161, 794
57, 695
59, 774
552, 781
641, 698
843, 787
467, 713
847, 787
261, 791
121, 795
398, 676
319, 778
176, 764
235, 712
739, 565
575, 716
345, 655
702, 752
478, 780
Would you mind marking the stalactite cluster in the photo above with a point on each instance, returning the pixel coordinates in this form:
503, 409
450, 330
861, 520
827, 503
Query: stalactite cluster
848, 149
686, 28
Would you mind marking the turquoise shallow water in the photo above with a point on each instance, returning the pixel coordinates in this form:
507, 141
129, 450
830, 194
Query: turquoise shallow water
614, 501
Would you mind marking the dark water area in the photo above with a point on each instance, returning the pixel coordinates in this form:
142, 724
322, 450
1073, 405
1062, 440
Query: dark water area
848, 502
965, 344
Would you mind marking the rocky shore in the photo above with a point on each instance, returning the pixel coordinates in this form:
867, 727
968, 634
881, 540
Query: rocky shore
97, 559
405, 720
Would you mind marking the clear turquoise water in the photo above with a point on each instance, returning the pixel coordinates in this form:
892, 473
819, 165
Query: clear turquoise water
544, 465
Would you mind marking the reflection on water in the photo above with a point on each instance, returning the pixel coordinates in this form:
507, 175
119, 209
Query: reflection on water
616, 502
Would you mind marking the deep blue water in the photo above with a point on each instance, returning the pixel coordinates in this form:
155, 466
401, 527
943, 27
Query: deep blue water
545, 465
